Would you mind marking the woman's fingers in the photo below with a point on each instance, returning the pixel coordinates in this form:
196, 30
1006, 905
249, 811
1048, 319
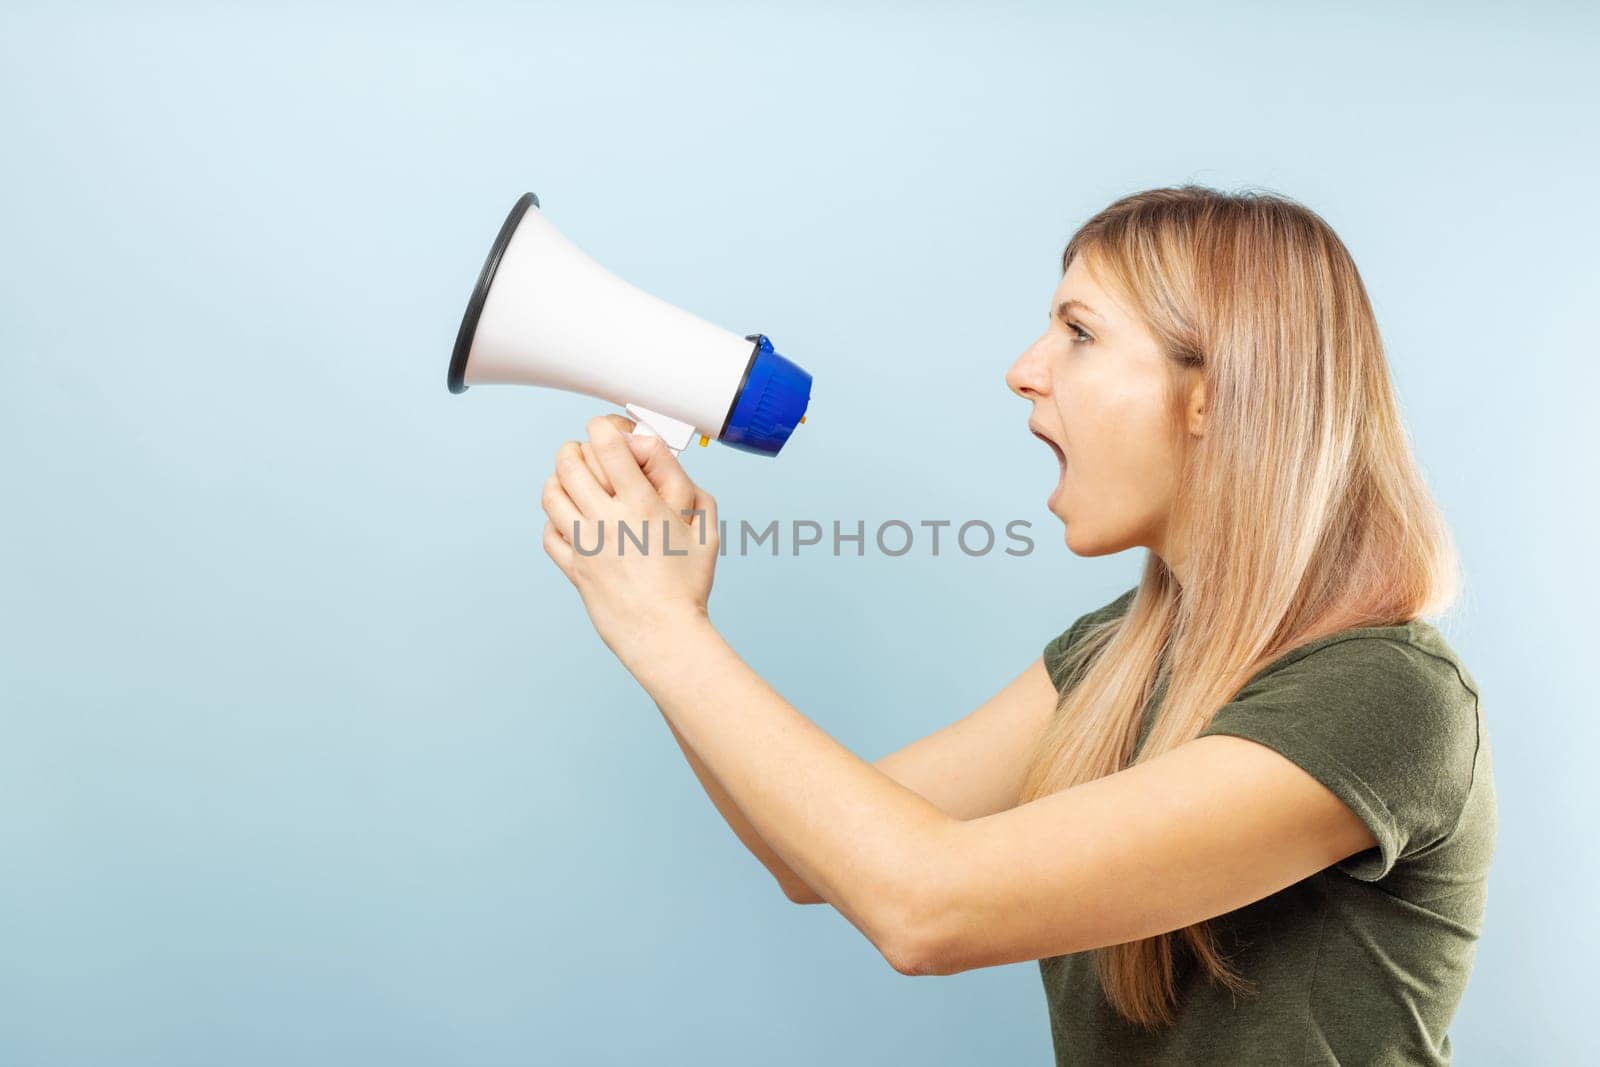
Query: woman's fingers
664, 472
661, 472
556, 547
573, 472
607, 442
592, 460
621, 422
559, 507
706, 504
595, 468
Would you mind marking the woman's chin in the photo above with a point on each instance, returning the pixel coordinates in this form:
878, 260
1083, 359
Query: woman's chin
1067, 529
1054, 500
1080, 545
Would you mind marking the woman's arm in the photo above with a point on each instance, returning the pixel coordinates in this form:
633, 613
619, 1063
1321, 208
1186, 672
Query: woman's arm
1213, 825
1208, 827
865, 843
968, 769
793, 888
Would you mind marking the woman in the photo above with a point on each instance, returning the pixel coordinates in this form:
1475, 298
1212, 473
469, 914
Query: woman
1241, 814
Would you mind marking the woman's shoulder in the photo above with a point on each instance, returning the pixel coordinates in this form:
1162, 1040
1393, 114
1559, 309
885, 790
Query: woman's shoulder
1404, 662
1115, 608
1388, 718
1413, 657
1057, 652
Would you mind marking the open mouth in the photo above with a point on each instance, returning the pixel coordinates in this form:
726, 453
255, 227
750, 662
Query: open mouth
1061, 456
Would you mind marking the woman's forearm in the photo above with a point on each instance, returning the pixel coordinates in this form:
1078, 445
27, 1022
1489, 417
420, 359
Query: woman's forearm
794, 887
874, 849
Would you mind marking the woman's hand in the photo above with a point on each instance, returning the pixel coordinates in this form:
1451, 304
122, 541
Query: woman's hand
621, 492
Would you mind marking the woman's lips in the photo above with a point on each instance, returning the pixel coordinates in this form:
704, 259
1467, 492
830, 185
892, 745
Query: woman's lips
1060, 455
1061, 458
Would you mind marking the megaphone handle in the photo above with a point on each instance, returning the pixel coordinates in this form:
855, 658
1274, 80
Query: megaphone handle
674, 433
642, 429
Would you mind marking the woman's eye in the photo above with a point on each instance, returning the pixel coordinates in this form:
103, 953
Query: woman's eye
1078, 332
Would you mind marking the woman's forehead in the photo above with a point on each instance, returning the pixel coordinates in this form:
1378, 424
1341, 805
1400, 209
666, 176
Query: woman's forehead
1080, 288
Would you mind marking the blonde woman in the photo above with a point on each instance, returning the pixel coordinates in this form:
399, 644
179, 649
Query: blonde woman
1241, 814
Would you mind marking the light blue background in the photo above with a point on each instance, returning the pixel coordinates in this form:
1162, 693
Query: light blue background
309, 755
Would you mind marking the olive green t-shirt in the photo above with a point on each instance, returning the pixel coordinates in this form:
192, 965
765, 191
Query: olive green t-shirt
1365, 961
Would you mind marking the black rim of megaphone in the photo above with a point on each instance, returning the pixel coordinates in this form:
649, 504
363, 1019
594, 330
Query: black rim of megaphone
480, 292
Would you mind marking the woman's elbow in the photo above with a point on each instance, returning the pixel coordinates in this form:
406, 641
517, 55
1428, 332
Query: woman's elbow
923, 939
799, 893
921, 957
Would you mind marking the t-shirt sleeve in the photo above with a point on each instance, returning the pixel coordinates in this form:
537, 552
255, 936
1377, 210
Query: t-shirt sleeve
1055, 654
1057, 651
1388, 727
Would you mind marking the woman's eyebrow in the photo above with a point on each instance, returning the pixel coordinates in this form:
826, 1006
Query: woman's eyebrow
1067, 305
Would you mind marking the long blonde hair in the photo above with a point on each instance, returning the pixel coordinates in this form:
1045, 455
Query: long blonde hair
1301, 506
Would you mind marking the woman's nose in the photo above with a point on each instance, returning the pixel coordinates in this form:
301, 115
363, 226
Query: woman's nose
1027, 376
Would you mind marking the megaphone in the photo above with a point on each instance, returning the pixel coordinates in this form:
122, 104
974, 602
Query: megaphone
543, 313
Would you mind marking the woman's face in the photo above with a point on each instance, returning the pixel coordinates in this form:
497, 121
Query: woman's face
1099, 382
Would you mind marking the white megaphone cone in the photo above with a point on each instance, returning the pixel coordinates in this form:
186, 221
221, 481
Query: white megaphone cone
543, 313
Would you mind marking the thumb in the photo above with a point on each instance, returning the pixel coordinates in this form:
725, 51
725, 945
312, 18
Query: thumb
705, 503
663, 471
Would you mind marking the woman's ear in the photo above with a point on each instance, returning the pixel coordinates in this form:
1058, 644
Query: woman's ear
1195, 411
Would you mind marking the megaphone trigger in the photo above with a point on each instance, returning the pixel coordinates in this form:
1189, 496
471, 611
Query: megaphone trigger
674, 433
